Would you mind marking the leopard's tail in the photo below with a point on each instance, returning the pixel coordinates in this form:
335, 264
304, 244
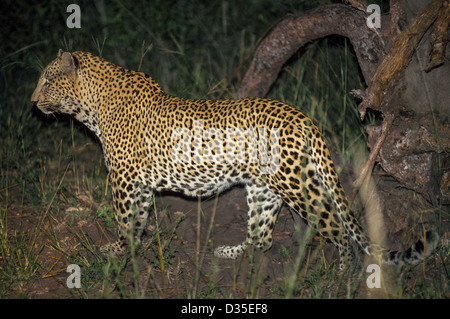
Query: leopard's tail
416, 253
413, 255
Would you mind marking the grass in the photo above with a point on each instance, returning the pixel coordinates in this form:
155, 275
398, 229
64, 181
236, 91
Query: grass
55, 202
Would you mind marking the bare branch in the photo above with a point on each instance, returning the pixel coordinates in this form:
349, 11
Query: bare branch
368, 165
295, 31
398, 58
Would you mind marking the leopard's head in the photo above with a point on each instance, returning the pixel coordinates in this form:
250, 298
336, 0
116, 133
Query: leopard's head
59, 86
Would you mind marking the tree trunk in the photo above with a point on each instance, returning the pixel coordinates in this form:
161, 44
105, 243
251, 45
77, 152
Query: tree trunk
407, 77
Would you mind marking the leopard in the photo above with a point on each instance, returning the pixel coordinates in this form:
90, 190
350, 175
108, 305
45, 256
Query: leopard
154, 142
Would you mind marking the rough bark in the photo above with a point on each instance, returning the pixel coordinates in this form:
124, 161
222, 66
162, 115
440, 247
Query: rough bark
379, 94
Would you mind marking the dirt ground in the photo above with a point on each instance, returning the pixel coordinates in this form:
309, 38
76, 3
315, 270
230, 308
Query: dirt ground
180, 214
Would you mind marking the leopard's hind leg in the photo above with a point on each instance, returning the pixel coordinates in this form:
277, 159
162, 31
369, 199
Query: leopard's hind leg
264, 206
301, 188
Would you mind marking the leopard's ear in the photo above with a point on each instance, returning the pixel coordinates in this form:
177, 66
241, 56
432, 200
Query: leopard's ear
68, 63
60, 52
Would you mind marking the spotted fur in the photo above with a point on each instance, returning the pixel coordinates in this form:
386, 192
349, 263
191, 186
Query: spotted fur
140, 128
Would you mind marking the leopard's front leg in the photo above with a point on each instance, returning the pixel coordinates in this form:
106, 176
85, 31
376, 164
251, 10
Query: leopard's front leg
132, 201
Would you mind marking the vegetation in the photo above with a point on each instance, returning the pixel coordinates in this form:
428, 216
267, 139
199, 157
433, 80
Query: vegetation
55, 205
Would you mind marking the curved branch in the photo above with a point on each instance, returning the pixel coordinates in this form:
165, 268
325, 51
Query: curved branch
295, 31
